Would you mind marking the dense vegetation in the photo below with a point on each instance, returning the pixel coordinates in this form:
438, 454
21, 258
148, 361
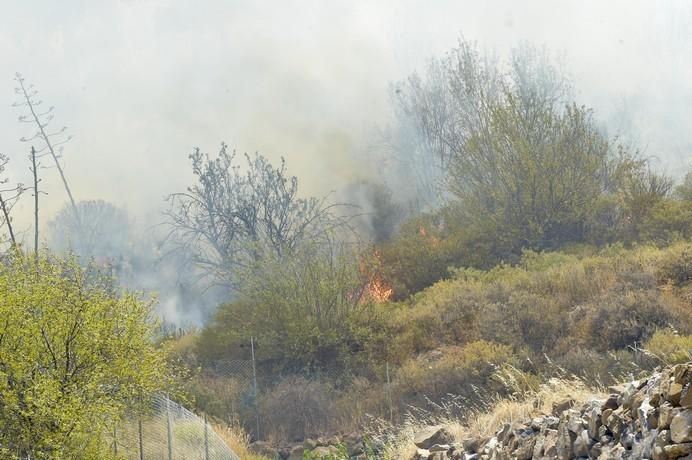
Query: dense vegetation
535, 246
74, 358
553, 250
598, 314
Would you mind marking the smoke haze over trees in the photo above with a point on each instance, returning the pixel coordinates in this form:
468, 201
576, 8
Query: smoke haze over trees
344, 93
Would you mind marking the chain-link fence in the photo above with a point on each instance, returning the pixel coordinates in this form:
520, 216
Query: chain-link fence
271, 403
169, 432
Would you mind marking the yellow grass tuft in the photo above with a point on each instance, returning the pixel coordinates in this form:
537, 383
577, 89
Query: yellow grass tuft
485, 424
237, 440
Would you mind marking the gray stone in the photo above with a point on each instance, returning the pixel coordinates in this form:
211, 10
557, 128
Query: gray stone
431, 436
662, 440
550, 443
627, 440
565, 442
582, 444
503, 433
560, 406
537, 423
678, 450
421, 454
686, 396
681, 426
682, 373
612, 453
264, 449
674, 393
611, 402
440, 448
666, 412
596, 450
575, 422
439, 455
552, 422
471, 444
594, 422
525, 450
616, 423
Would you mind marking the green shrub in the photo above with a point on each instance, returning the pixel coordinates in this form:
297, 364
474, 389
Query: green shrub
669, 347
675, 264
457, 371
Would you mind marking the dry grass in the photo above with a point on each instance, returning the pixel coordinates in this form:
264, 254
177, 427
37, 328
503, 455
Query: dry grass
237, 440
510, 410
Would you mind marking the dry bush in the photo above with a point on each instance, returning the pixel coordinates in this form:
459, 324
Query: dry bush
458, 371
669, 347
226, 398
619, 320
600, 369
296, 409
675, 264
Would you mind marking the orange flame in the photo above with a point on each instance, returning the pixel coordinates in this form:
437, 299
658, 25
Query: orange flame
434, 241
376, 289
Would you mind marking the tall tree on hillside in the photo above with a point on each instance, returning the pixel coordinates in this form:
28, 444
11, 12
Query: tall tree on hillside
526, 166
231, 218
103, 230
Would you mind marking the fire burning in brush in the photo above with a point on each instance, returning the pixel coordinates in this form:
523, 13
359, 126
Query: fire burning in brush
376, 289
434, 241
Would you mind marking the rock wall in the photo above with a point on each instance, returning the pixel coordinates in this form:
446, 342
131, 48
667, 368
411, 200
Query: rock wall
647, 419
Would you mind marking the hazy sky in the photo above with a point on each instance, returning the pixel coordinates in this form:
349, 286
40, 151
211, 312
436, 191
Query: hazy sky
140, 82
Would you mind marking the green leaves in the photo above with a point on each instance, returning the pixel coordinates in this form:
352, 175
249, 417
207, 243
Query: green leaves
73, 357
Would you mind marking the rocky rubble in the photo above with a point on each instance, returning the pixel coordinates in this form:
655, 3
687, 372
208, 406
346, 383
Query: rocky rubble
646, 419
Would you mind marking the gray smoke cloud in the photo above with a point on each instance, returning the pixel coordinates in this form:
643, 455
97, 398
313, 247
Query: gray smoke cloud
141, 82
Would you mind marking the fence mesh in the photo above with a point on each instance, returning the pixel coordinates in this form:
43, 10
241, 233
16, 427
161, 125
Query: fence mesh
170, 432
282, 404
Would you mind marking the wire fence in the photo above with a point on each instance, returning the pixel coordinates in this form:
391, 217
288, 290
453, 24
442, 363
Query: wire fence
169, 432
265, 401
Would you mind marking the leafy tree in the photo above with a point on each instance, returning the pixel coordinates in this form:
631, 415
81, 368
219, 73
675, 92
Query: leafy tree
231, 219
73, 358
101, 231
527, 167
298, 308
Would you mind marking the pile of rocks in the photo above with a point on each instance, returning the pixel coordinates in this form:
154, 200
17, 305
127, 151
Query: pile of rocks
647, 419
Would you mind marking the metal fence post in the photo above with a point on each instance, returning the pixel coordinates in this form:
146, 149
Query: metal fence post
206, 438
254, 378
389, 394
115, 440
141, 443
169, 431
